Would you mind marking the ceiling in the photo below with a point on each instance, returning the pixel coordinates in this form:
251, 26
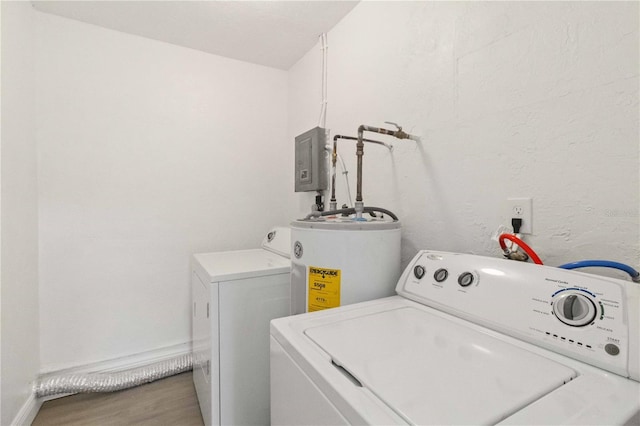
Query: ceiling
271, 33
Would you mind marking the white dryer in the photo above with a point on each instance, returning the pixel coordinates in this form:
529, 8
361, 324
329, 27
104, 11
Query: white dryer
467, 340
235, 295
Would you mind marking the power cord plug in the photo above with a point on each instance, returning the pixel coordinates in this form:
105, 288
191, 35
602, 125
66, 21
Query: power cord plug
516, 254
516, 223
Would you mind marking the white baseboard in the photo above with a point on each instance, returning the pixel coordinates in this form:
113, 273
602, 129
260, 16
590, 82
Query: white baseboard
27, 412
120, 364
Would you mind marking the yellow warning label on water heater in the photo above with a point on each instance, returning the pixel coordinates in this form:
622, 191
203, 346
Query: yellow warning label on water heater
324, 288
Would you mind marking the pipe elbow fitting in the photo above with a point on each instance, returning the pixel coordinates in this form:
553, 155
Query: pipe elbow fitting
314, 214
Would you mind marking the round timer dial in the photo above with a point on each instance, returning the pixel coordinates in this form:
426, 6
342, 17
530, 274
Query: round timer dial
574, 309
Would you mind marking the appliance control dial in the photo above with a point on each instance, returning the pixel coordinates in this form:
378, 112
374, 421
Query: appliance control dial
574, 309
440, 275
419, 271
465, 279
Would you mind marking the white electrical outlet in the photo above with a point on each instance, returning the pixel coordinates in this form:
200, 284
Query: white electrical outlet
521, 208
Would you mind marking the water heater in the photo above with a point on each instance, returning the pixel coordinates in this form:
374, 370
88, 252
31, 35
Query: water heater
338, 261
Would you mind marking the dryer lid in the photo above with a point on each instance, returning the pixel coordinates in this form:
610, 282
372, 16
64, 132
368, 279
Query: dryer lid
431, 370
240, 264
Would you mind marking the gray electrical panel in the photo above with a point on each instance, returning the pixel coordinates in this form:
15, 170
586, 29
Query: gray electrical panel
311, 162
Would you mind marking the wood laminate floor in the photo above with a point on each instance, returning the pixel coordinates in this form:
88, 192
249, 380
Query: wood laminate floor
171, 401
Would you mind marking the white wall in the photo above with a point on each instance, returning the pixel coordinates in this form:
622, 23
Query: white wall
148, 152
512, 99
19, 310
1, 400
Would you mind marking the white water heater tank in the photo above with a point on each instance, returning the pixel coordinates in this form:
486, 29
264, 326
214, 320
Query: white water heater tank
339, 261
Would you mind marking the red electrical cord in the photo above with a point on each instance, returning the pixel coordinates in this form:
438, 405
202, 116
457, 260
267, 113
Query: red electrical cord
524, 246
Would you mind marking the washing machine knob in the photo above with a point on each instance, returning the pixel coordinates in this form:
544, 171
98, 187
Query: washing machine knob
419, 271
440, 275
465, 279
574, 309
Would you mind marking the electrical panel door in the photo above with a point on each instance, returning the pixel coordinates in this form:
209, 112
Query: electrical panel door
311, 161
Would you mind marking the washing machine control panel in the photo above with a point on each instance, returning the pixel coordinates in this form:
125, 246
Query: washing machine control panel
584, 316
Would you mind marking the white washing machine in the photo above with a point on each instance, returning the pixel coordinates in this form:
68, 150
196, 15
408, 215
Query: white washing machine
235, 295
466, 340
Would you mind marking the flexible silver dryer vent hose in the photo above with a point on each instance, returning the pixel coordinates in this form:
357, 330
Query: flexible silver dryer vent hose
111, 382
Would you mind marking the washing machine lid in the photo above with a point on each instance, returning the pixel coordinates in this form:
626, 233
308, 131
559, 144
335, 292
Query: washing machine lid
431, 370
240, 264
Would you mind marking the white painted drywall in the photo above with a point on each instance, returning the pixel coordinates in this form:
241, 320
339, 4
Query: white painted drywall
20, 344
1, 401
148, 152
512, 99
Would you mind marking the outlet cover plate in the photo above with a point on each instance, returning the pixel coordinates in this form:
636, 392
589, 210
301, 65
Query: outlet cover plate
520, 208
